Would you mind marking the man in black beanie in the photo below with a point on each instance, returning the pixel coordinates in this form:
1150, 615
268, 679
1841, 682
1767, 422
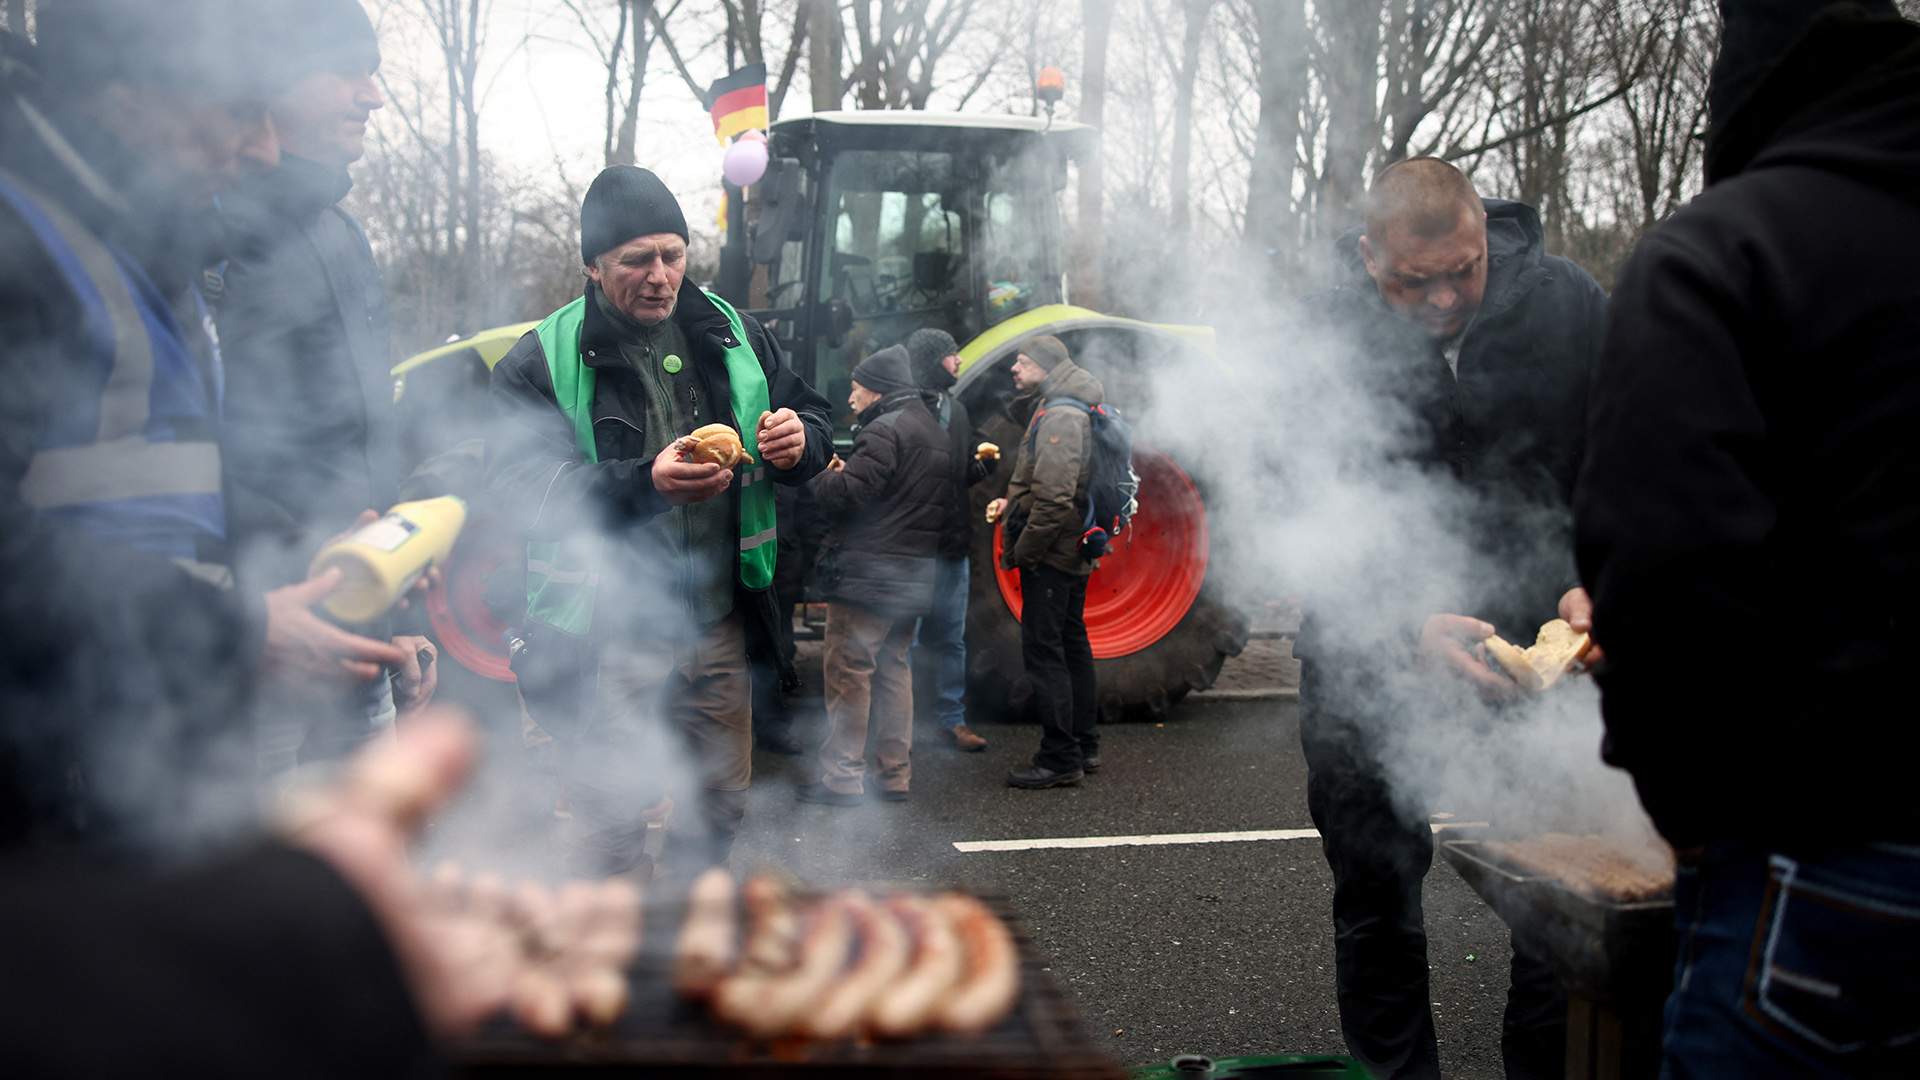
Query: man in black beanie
887, 505
649, 571
311, 436
943, 632
1751, 467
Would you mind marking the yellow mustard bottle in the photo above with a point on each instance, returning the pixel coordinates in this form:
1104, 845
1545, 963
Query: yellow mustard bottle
381, 560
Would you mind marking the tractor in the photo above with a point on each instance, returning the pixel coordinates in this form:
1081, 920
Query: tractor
869, 225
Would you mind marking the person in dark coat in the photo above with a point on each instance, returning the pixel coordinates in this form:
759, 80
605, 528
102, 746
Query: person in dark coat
1451, 317
648, 574
889, 506
134, 658
1753, 476
310, 440
943, 632
1045, 507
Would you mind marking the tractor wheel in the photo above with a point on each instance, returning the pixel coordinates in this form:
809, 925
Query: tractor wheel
1157, 628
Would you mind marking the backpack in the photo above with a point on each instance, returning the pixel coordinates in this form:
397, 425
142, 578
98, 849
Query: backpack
1113, 488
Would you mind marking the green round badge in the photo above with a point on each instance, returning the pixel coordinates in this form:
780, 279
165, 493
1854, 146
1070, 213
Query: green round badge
672, 364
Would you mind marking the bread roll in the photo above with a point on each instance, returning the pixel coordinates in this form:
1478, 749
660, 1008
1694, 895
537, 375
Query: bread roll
716, 443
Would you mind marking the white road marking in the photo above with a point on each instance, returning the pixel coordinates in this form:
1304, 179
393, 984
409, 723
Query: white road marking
1056, 843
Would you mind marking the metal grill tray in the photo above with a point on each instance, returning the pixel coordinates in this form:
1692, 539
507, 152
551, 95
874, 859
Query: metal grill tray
659, 1034
1606, 950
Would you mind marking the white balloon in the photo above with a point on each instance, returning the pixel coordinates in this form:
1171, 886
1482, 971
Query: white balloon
745, 163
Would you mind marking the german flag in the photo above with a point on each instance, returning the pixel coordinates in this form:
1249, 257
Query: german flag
739, 102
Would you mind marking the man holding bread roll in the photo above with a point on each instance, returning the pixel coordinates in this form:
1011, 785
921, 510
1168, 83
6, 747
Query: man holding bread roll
638, 430
1452, 314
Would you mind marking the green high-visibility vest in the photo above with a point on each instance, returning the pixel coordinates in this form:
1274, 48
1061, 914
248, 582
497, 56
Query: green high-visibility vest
560, 589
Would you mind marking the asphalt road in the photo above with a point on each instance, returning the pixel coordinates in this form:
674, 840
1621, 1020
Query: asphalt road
1222, 948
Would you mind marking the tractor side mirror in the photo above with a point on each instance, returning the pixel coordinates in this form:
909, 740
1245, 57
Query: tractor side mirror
784, 208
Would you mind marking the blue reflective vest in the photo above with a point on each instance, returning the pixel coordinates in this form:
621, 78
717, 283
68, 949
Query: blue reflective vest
134, 460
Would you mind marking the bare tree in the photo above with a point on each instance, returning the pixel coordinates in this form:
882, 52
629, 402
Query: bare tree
1280, 33
1348, 61
897, 46
1097, 16
1186, 73
1433, 48
746, 21
826, 44
1669, 45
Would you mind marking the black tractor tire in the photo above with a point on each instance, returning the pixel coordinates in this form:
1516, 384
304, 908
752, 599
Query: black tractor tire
1143, 685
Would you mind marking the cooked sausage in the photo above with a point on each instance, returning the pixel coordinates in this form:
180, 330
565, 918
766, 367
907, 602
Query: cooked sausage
541, 1004
769, 1006
773, 926
883, 955
990, 984
599, 995
910, 1006
705, 952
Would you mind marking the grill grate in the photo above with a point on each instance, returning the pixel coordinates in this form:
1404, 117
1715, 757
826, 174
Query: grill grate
659, 1033
1601, 949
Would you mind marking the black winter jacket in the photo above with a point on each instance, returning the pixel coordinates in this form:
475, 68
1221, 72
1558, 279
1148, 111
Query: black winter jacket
956, 540
310, 436
537, 478
890, 508
1508, 427
1749, 512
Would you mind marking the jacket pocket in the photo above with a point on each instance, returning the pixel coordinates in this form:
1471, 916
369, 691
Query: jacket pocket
1833, 961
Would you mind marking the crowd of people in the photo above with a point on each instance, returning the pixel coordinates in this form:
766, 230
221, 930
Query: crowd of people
197, 400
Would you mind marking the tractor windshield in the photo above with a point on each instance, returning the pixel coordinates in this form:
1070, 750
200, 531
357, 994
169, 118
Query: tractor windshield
921, 238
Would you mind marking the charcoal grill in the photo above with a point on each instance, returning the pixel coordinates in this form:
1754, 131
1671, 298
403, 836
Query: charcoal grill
659, 1034
1613, 958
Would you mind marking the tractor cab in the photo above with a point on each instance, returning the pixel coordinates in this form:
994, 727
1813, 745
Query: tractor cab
872, 225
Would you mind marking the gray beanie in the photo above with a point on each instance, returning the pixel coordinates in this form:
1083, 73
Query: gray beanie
927, 348
1046, 351
888, 371
626, 202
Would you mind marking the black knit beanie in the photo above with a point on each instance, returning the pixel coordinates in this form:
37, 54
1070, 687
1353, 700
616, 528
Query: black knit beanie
626, 202
328, 35
1046, 351
888, 371
217, 50
927, 349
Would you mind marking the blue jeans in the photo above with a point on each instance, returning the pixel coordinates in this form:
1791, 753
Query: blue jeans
943, 633
1796, 964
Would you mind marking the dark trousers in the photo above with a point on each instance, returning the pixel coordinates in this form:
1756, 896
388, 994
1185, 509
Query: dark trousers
1059, 662
1379, 857
1796, 963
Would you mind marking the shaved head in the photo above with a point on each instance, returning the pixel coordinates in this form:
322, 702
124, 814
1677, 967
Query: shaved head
1426, 244
1422, 195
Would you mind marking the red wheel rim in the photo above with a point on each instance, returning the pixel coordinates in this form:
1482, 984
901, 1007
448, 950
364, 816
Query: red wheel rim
463, 625
1153, 572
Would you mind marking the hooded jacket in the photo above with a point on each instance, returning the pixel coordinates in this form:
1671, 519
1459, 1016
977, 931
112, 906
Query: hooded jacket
1747, 517
956, 538
1049, 483
1508, 426
888, 509
311, 432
